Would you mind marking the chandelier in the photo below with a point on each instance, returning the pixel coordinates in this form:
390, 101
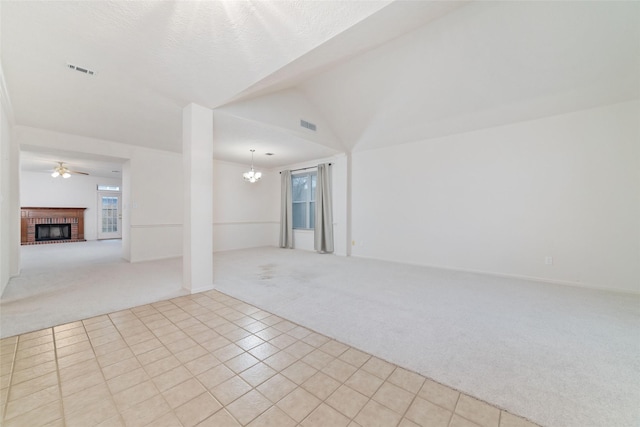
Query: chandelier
60, 170
252, 175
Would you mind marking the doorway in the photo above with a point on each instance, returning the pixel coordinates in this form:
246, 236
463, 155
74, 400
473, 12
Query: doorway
109, 215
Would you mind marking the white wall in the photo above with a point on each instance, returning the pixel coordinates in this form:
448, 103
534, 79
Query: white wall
5, 198
9, 192
126, 219
5, 245
39, 189
152, 198
502, 199
245, 215
155, 204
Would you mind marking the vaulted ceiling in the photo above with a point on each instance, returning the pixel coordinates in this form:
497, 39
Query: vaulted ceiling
367, 73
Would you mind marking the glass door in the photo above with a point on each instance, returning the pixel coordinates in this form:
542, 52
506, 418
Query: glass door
109, 215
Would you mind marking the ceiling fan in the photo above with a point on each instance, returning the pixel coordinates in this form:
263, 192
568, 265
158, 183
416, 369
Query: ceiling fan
62, 170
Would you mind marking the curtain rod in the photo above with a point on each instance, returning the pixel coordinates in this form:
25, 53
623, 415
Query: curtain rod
304, 169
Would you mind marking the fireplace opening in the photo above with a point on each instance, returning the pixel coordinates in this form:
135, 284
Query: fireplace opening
53, 232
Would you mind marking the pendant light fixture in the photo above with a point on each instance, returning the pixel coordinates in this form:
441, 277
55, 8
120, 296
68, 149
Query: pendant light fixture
252, 175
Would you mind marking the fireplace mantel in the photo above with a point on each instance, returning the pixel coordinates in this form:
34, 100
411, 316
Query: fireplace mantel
32, 216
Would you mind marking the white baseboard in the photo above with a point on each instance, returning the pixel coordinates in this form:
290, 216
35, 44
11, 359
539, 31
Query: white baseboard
515, 276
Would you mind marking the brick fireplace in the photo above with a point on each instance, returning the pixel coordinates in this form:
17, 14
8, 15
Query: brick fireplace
39, 225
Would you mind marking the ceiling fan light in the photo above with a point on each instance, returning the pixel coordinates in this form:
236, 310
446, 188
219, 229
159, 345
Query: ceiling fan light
257, 175
55, 174
66, 175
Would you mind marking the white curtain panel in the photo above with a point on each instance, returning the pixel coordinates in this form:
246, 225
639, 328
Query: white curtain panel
286, 211
323, 238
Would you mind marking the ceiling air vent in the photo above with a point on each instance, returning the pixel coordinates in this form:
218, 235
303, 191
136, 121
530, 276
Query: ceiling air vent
81, 69
308, 125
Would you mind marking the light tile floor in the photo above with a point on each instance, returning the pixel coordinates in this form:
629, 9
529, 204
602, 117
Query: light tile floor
212, 360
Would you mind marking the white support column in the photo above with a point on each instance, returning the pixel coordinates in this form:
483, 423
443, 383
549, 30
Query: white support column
197, 152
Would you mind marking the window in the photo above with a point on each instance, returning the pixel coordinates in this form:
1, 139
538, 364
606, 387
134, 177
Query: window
108, 188
303, 190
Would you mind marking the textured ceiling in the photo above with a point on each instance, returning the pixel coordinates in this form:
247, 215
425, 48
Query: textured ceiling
488, 64
152, 58
369, 73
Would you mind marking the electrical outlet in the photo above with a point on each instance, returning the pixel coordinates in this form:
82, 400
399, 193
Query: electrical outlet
353, 243
548, 260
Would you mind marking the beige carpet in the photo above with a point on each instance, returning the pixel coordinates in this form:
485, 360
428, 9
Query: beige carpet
559, 356
66, 282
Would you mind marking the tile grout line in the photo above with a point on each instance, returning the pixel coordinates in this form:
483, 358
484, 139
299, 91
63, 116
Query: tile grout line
454, 408
9, 386
222, 407
100, 366
298, 386
273, 404
55, 354
482, 401
369, 399
343, 383
324, 401
171, 409
247, 352
238, 374
190, 373
404, 415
